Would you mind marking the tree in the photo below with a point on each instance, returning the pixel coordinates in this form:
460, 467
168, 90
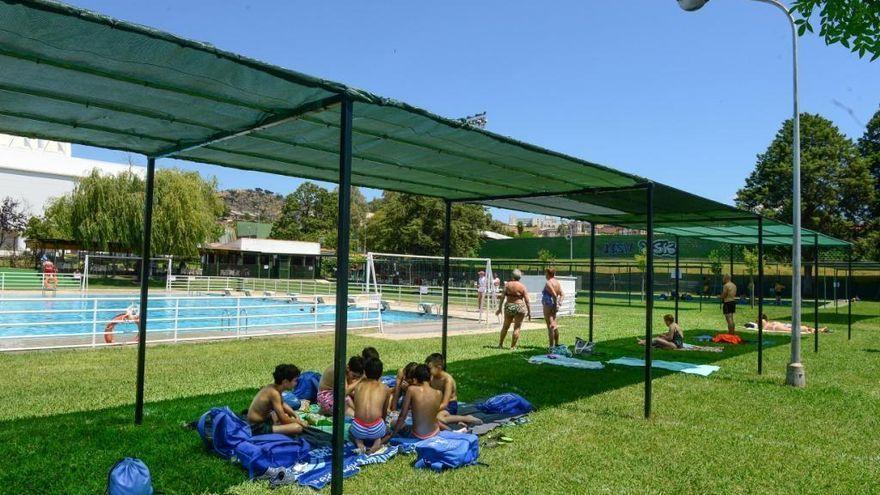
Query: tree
520, 228
105, 212
410, 224
716, 262
836, 185
868, 243
13, 220
310, 213
854, 24
750, 258
546, 257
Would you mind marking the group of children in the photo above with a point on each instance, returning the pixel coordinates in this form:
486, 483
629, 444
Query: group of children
426, 392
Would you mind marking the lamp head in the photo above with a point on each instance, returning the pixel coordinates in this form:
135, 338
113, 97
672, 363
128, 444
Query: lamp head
691, 5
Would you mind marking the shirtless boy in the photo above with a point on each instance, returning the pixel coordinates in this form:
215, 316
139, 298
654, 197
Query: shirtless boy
353, 374
423, 401
445, 384
728, 303
404, 380
370, 405
268, 413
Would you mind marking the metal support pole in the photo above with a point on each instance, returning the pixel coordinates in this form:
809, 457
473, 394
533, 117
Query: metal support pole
629, 285
447, 249
677, 275
592, 274
342, 249
816, 294
760, 295
649, 289
702, 293
145, 287
848, 299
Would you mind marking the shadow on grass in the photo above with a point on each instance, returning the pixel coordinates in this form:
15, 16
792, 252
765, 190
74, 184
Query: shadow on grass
88, 443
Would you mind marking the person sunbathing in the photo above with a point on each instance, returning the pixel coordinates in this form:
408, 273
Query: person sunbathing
370, 405
404, 379
781, 326
672, 340
354, 372
423, 401
268, 413
443, 382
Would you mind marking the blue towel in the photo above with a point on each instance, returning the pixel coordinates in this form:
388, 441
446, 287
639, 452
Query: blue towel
567, 362
689, 368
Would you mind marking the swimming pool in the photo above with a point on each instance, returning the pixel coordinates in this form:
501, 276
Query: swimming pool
83, 320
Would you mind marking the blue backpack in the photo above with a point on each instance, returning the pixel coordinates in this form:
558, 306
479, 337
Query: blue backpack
447, 450
508, 403
129, 477
270, 451
221, 430
307, 386
390, 381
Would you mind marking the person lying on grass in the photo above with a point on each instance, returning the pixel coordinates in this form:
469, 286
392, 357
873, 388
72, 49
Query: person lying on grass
443, 382
354, 372
779, 326
370, 406
268, 413
423, 401
672, 339
404, 379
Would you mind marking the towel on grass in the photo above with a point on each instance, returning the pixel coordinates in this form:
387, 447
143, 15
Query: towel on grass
567, 362
315, 472
704, 348
689, 368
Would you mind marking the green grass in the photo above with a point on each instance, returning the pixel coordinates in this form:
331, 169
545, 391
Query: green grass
66, 416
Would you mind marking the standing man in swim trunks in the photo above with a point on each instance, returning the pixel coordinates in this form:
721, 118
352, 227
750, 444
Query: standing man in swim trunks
515, 305
728, 303
551, 299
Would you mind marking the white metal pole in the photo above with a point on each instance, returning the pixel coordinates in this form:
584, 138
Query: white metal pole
94, 323
176, 316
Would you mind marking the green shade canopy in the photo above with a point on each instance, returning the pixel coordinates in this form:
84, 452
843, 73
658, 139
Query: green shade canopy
77, 76
775, 234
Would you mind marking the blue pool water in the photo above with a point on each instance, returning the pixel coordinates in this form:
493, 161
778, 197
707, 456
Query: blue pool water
83, 315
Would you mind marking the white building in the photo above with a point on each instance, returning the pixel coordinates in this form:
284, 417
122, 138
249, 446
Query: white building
35, 170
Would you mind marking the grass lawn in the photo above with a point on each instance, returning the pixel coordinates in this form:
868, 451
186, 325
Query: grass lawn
66, 416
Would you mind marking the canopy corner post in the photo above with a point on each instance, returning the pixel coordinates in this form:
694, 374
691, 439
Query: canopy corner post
342, 252
144, 291
760, 294
849, 257
447, 249
677, 274
649, 293
816, 294
592, 274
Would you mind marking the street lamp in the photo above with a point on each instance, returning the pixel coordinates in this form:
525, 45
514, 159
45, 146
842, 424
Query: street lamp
795, 372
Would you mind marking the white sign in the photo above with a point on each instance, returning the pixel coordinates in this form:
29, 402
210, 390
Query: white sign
423, 289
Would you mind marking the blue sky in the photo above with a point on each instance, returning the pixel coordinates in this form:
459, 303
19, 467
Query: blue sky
688, 99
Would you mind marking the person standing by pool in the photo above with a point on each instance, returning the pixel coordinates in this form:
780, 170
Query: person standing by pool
481, 286
515, 305
496, 290
728, 303
778, 288
551, 299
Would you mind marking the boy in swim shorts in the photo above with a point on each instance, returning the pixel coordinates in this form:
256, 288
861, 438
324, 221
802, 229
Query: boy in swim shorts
423, 401
445, 384
268, 413
370, 406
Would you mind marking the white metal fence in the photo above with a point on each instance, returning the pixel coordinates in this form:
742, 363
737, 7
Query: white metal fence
39, 281
36, 323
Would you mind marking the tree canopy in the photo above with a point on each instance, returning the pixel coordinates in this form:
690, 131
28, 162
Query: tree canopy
868, 243
836, 186
105, 212
310, 214
13, 219
854, 24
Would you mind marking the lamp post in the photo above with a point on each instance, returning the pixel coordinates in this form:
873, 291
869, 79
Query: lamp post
795, 372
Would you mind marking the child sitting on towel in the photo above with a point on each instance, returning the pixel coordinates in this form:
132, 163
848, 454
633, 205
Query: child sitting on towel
443, 381
268, 413
354, 372
672, 340
370, 406
404, 379
423, 401
369, 352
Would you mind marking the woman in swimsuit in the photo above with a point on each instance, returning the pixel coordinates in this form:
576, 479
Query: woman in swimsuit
515, 305
551, 298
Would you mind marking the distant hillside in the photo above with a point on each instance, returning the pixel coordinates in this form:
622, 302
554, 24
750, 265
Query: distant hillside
257, 205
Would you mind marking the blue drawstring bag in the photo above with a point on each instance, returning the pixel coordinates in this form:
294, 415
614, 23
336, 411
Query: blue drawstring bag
508, 403
129, 476
273, 450
307, 386
390, 381
221, 430
447, 450
291, 400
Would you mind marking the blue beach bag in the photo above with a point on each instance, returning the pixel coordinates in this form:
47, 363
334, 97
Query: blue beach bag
221, 430
129, 476
447, 450
307, 386
508, 403
273, 450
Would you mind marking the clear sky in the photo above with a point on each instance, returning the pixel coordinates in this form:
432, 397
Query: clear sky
687, 99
